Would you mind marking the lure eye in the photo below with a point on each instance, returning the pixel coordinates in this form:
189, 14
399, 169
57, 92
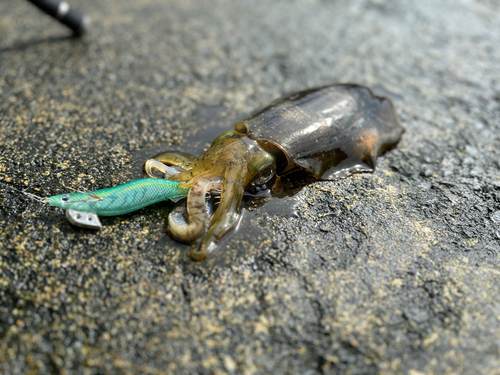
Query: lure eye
65, 198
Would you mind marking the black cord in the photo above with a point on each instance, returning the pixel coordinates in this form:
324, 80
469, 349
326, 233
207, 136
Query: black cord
61, 11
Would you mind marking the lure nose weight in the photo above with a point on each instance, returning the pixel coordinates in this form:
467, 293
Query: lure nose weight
84, 219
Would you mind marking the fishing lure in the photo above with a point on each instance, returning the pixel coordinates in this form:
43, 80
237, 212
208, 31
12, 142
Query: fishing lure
83, 208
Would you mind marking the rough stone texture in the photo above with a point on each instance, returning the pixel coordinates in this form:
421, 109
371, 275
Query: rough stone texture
395, 272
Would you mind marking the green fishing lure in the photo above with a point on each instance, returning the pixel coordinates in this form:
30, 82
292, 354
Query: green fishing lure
83, 208
120, 199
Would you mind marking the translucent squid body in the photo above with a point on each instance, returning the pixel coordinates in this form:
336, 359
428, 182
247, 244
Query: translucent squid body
330, 132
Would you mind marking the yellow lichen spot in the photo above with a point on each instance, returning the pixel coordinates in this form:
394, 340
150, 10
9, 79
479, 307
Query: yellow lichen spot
262, 326
209, 361
229, 363
397, 282
430, 339
332, 358
471, 242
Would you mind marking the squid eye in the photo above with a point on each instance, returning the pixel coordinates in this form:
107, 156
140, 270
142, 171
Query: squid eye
65, 198
265, 177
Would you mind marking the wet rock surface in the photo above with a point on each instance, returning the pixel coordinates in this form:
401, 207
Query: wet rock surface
391, 272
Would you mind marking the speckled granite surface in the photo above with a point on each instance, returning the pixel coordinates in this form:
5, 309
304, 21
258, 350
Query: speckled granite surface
395, 272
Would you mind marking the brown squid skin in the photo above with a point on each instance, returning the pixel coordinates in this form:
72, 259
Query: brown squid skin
233, 163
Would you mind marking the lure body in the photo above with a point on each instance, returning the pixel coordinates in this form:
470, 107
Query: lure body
120, 199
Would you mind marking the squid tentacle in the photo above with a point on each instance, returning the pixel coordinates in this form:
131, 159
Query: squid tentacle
188, 178
197, 212
167, 170
180, 216
175, 158
227, 214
